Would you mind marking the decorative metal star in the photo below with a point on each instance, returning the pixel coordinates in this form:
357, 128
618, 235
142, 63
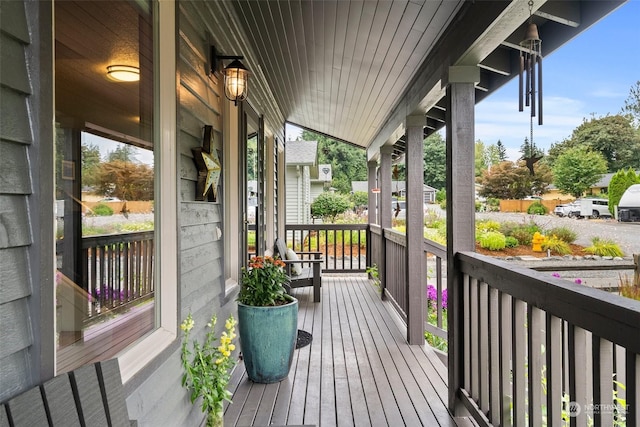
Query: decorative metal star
209, 167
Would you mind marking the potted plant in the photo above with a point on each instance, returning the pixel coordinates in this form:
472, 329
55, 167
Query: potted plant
207, 367
267, 320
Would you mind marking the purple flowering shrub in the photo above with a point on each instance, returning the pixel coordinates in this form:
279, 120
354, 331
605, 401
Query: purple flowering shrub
432, 317
432, 297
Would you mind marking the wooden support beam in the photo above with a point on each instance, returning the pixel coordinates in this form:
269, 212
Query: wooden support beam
564, 12
415, 259
461, 220
384, 180
498, 61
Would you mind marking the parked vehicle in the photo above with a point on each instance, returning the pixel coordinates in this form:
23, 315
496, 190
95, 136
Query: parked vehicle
593, 208
563, 210
629, 206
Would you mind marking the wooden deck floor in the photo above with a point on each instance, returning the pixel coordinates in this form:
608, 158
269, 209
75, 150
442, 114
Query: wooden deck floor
358, 370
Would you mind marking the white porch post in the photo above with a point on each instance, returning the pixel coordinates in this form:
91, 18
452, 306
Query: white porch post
415, 259
384, 206
372, 168
460, 207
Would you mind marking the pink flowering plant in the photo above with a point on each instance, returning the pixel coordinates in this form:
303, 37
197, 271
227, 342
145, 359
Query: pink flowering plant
432, 317
207, 367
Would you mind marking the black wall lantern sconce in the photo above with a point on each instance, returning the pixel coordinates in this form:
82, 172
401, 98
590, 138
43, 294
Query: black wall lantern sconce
236, 76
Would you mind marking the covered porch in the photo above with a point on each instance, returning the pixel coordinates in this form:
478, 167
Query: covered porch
358, 369
525, 348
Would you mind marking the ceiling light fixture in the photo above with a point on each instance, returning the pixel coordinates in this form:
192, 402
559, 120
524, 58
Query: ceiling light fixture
123, 73
236, 76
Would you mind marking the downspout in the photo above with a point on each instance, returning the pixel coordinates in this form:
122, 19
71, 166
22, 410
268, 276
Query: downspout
299, 195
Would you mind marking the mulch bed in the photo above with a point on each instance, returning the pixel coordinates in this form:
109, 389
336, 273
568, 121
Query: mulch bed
576, 250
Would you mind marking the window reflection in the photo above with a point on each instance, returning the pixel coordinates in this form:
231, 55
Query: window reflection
104, 210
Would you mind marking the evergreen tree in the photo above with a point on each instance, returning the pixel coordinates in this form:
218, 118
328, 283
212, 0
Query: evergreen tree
619, 183
502, 151
348, 162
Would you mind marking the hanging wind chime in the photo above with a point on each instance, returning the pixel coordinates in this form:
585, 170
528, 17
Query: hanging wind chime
530, 81
530, 59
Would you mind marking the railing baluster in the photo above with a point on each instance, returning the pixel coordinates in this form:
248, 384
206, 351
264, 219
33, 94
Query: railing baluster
494, 356
632, 395
483, 346
577, 374
506, 346
466, 320
554, 353
602, 379
534, 347
519, 337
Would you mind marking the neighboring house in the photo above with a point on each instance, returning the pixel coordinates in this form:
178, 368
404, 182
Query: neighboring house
599, 188
301, 180
398, 189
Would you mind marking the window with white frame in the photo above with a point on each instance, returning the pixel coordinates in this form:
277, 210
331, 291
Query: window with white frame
109, 208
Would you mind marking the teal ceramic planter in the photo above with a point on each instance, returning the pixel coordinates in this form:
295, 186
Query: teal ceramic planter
267, 339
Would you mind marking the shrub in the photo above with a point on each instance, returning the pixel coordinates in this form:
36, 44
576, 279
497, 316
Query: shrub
604, 247
537, 208
435, 235
522, 235
493, 204
328, 205
486, 225
432, 219
492, 240
511, 242
556, 245
563, 233
443, 204
628, 289
102, 210
507, 227
523, 232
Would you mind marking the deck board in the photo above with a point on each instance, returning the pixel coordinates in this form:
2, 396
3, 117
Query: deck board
357, 371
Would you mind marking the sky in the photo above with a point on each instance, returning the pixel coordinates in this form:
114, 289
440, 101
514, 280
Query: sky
589, 76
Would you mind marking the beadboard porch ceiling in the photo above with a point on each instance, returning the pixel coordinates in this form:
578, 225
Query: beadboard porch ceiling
354, 70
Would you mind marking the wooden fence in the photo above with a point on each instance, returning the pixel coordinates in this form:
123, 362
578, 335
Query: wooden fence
523, 205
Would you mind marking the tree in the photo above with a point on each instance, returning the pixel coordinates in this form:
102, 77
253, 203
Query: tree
612, 136
508, 180
502, 151
359, 199
481, 160
577, 169
435, 161
619, 183
123, 153
328, 205
90, 154
493, 155
125, 180
632, 104
348, 162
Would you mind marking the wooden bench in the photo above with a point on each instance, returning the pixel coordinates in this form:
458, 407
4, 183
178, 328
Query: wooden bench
90, 396
311, 273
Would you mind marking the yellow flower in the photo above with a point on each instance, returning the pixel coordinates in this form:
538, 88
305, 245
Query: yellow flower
232, 347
